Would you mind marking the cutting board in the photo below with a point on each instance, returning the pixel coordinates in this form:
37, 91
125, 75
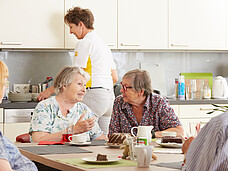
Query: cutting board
207, 77
157, 74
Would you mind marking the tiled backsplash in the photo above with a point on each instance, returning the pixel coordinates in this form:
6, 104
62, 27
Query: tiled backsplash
34, 67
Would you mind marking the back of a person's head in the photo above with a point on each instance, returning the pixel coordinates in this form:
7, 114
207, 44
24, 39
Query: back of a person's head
77, 14
140, 80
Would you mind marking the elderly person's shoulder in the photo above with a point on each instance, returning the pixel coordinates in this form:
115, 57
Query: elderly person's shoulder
157, 97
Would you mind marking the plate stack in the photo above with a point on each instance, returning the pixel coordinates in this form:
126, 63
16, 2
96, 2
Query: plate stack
19, 97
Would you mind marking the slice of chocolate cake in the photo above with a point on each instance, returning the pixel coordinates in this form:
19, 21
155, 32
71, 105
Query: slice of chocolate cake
101, 157
169, 139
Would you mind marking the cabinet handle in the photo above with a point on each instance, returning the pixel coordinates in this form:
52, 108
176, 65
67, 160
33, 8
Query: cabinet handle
11, 43
128, 44
179, 44
206, 108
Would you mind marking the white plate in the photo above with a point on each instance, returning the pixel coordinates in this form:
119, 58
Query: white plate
171, 145
94, 160
113, 145
86, 143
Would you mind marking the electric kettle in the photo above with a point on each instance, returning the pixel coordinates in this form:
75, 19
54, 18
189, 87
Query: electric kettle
219, 88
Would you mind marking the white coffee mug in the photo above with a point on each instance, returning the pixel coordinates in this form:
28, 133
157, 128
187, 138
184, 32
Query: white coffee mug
78, 138
144, 155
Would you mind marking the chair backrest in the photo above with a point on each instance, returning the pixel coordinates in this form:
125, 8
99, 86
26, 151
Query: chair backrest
23, 138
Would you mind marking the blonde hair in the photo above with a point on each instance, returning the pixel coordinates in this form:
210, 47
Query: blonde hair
4, 73
66, 76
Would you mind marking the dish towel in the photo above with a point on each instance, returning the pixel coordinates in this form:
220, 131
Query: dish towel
51, 143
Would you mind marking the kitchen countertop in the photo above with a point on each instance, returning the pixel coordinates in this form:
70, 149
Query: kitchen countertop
18, 105
32, 105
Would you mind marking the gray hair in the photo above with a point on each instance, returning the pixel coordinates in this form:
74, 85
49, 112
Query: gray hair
66, 76
140, 80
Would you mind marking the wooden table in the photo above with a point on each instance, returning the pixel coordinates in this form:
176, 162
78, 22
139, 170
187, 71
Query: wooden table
50, 160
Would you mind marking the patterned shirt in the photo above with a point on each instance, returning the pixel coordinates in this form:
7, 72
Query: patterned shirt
47, 117
209, 150
156, 112
9, 152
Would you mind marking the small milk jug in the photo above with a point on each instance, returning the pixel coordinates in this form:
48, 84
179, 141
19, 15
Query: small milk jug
144, 132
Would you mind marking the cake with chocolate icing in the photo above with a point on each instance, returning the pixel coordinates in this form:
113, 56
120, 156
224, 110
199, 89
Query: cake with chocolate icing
101, 157
170, 139
117, 138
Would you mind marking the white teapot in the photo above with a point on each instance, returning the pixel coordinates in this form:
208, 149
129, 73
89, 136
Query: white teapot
143, 131
219, 88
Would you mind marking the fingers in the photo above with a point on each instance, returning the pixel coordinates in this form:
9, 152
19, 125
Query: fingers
81, 117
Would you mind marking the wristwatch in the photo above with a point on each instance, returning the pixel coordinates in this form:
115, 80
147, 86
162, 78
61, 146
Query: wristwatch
153, 134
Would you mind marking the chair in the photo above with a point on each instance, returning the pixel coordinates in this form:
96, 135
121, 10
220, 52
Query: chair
23, 138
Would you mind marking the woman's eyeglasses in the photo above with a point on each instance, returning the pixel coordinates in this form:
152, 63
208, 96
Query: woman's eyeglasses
124, 87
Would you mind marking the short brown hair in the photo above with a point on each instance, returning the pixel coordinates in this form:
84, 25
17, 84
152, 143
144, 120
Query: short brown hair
140, 80
77, 14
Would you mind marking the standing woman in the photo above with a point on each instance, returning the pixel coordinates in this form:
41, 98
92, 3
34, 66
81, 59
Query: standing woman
10, 156
94, 56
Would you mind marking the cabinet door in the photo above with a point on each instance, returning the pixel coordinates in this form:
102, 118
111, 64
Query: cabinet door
142, 24
32, 24
196, 111
12, 130
197, 24
105, 20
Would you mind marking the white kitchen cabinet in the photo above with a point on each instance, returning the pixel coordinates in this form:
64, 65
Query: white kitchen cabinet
176, 109
190, 115
142, 24
197, 24
105, 20
32, 24
12, 130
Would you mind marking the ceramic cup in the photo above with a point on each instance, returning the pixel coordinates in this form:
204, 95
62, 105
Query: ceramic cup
144, 155
78, 138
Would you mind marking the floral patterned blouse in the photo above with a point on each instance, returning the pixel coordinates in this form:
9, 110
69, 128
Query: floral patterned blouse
156, 112
47, 117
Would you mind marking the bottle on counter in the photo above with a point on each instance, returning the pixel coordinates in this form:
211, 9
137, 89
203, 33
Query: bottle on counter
176, 87
181, 88
206, 92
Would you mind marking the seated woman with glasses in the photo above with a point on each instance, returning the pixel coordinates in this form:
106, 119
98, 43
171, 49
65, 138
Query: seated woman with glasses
138, 106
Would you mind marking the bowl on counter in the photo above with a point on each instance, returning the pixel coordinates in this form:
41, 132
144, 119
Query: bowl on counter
34, 97
19, 97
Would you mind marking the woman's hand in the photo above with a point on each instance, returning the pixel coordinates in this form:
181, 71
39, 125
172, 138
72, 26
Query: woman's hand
84, 126
187, 144
45, 94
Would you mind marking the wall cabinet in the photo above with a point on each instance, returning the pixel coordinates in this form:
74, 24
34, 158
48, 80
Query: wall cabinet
142, 24
122, 24
105, 20
32, 24
197, 24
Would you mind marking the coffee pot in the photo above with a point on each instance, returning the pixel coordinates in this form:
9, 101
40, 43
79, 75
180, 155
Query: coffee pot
219, 88
143, 131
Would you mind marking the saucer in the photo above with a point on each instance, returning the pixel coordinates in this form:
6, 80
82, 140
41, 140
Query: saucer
85, 143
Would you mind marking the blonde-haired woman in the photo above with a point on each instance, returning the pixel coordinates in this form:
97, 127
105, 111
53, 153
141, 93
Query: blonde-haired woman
10, 157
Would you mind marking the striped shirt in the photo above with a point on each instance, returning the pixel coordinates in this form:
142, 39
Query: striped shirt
10, 152
209, 150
